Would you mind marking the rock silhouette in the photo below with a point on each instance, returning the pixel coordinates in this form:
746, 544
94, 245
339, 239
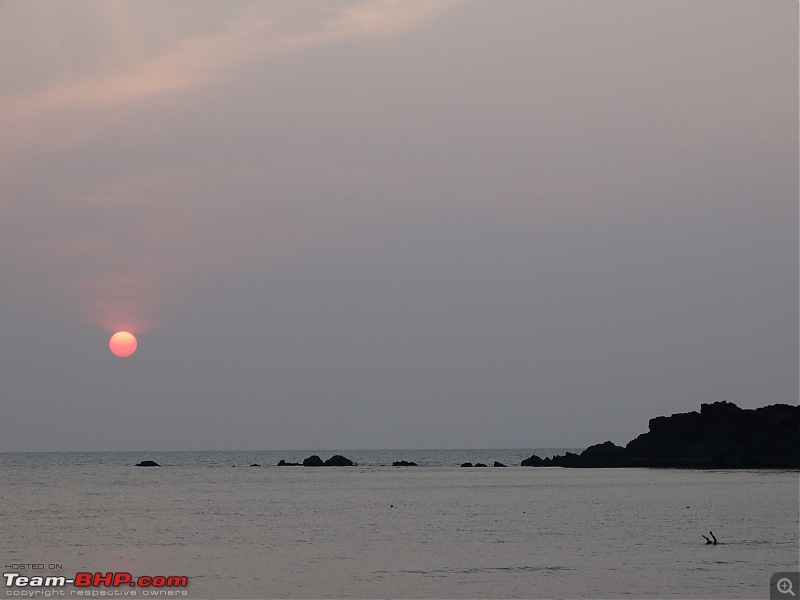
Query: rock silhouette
147, 463
534, 461
337, 460
403, 463
720, 436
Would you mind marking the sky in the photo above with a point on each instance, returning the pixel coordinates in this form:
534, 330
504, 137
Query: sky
393, 223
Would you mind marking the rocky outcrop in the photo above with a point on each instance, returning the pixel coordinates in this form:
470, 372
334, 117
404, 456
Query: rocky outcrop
720, 436
498, 464
605, 454
599, 455
337, 460
147, 463
403, 463
283, 463
533, 461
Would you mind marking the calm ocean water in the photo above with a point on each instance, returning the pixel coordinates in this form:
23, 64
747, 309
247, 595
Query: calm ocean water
374, 531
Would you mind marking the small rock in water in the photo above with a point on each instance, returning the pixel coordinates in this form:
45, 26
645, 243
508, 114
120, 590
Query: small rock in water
148, 463
337, 460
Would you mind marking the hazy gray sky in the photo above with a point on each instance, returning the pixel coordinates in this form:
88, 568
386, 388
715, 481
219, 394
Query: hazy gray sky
393, 223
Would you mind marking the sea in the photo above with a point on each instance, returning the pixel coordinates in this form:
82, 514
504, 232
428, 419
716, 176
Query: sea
236, 525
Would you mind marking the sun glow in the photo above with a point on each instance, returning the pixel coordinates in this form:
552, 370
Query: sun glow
123, 343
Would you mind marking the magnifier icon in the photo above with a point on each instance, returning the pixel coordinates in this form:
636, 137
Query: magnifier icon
784, 586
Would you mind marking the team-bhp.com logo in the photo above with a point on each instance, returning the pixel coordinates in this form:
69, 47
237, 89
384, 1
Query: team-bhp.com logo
89, 584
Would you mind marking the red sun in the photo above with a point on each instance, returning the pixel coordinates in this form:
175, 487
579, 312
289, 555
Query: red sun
122, 343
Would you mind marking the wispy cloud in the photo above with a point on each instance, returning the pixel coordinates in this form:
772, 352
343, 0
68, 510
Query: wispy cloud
130, 237
382, 18
97, 99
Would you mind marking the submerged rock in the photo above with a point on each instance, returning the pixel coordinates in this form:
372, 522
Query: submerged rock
467, 464
147, 463
283, 463
403, 463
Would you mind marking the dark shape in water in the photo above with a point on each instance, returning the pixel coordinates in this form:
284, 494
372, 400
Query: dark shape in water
313, 461
147, 463
533, 461
720, 436
337, 460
